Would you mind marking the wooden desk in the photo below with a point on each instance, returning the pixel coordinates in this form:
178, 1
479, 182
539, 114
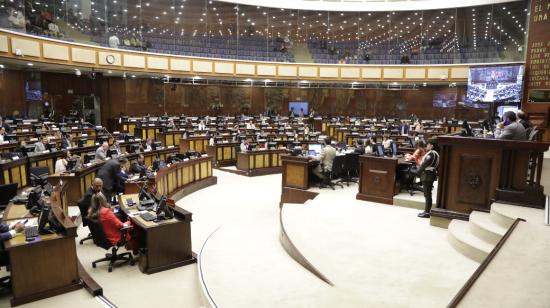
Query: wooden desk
260, 162
167, 244
47, 266
225, 154
295, 171
171, 137
14, 171
474, 172
8, 147
44, 160
77, 182
377, 179
193, 143
148, 131
185, 177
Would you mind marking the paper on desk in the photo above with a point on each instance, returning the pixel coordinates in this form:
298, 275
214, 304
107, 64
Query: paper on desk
31, 222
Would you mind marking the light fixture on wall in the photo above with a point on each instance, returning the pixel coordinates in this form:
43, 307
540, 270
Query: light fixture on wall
77, 72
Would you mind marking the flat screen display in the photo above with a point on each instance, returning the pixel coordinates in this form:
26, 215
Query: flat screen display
33, 90
445, 98
495, 84
296, 107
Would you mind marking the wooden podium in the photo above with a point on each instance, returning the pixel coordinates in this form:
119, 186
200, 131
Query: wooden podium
377, 180
474, 172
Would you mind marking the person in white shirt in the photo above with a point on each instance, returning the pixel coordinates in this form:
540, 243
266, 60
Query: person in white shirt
387, 142
40, 146
244, 145
250, 125
114, 41
148, 146
211, 141
101, 152
2, 134
61, 163
202, 126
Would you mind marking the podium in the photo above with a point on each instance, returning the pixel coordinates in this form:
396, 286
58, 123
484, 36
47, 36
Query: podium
475, 172
377, 181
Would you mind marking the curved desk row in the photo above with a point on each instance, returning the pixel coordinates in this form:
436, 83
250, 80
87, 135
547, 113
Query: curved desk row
260, 162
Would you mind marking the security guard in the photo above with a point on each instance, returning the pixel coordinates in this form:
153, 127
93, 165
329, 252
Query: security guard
428, 174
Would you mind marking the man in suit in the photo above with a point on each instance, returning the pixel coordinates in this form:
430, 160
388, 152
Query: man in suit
110, 174
510, 128
522, 119
101, 152
328, 153
40, 146
86, 201
66, 141
6, 233
428, 174
137, 166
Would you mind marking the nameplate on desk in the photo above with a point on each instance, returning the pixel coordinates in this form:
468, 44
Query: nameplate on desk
71, 174
25, 130
5, 142
88, 164
147, 150
84, 135
74, 127
170, 146
182, 129
133, 120
205, 155
116, 132
15, 158
185, 159
33, 139
137, 139
151, 124
378, 171
46, 151
97, 143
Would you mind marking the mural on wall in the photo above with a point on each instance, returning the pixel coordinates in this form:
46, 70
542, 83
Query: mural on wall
240, 99
213, 98
273, 98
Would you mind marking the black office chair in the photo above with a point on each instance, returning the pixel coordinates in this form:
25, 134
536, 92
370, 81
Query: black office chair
7, 192
350, 169
84, 214
39, 175
337, 169
101, 240
409, 180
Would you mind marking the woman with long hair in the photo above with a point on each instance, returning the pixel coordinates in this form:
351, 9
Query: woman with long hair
101, 211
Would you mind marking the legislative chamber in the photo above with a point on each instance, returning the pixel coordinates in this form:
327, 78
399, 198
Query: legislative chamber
305, 153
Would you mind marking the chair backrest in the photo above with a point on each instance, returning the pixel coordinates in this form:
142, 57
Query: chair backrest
83, 211
98, 236
533, 134
338, 165
351, 162
7, 192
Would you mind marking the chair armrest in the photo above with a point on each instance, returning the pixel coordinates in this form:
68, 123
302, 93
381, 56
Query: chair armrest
123, 232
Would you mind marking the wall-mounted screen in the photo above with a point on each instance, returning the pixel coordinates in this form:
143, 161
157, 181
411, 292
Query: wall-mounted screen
445, 98
297, 107
33, 90
495, 84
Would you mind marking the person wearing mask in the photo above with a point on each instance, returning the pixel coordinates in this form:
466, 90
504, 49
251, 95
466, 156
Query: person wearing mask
510, 128
66, 141
116, 147
359, 148
522, 119
418, 154
101, 152
110, 174
326, 159
101, 211
428, 174
61, 163
148, 145
40, 146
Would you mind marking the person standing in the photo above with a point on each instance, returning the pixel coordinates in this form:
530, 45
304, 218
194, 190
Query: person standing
428, 174
110, 174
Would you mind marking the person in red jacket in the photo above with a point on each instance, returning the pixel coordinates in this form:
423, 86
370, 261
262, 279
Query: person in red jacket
111, 224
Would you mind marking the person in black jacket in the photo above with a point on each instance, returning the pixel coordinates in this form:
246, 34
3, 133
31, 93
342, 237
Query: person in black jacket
428, 174
137, 166
86, 201
110, 174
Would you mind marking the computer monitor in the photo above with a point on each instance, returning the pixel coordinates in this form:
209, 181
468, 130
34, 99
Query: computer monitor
33, 200
52, 146
133, 148
89, 158
143, 194
380, 149
156, 144
43, 219
394, 149
163, 210
314, 149
82, 142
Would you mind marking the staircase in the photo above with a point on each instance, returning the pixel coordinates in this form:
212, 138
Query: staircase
476, 238
301, 53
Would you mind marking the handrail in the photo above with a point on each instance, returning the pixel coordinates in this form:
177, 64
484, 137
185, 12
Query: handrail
468, 285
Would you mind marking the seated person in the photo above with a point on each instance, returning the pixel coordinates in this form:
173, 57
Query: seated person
101, 211
510, 128
66, 141
116, 147
326, 159
101, 153
137, 166
386, 141
40, 146
6, 233
418, 153
2, 134
61, 163
369, 148
148, 145
359, 148
86, 200
245, 145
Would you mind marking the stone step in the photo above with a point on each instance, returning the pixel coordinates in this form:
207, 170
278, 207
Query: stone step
483, 226
462, 239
